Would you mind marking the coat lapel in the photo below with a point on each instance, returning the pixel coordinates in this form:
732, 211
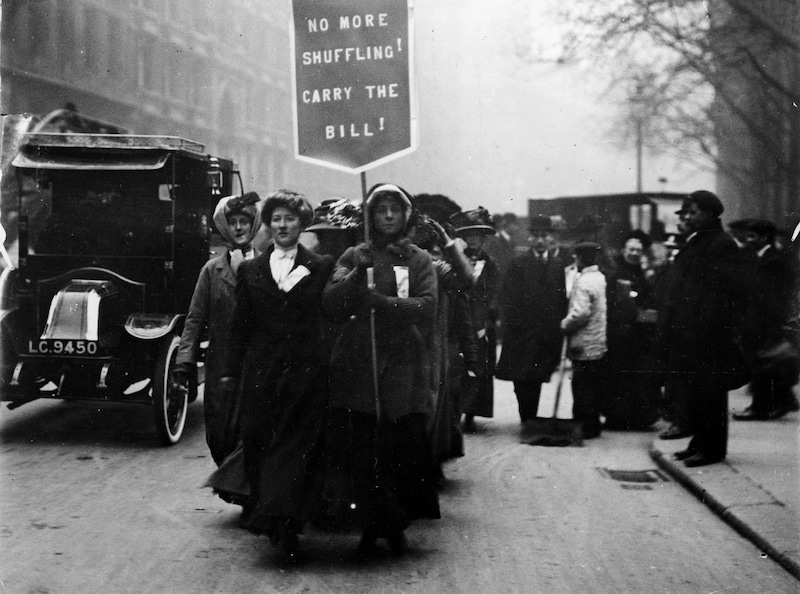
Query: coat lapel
303, 258
264, 272
225, 271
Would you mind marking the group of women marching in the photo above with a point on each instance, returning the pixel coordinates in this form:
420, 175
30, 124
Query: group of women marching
335, 373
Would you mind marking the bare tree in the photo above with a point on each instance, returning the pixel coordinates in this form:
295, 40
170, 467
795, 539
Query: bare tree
715, 80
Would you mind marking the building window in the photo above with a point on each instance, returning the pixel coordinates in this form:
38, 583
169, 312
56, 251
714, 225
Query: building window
95, 40
149, 70
116, 40
204, 17
41, 17
67, 37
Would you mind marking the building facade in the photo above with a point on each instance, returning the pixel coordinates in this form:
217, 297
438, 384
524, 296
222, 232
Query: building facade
214, 71
756, 121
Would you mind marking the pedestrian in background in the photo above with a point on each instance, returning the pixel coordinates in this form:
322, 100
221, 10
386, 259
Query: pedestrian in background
673, 407
699, 342
275, 347
533, 302
474, 227
381, 473
632, 394
773, 357
585, 329
238, 219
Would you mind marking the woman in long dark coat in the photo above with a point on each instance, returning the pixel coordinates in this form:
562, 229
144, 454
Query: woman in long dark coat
238, 219
276, 349
381, 474
473, 227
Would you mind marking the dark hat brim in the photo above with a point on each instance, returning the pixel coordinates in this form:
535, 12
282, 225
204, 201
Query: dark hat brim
325, 227
587, 246
485, 228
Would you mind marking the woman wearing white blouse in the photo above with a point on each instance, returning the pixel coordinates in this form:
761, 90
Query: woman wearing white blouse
276, 350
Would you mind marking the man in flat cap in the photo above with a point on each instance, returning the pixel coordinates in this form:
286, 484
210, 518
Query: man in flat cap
533, 302
698, 339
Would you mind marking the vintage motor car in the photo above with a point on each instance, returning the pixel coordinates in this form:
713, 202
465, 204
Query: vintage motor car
113, 230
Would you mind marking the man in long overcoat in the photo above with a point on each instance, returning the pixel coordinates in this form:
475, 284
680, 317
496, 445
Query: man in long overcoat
699, 331
774, 360
533, 302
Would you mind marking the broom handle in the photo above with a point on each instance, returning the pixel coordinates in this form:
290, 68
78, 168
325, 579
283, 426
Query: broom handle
561, 370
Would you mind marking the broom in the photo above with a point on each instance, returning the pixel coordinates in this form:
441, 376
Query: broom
554, 432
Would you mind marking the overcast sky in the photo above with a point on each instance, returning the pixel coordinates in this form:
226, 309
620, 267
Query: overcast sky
495, 131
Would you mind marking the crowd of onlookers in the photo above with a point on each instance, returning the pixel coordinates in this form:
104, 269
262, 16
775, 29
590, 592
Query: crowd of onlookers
348, 355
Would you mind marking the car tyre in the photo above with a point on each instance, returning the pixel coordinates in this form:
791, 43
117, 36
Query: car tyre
170, 400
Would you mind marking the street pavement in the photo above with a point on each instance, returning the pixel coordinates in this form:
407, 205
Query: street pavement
89, 503
757, 488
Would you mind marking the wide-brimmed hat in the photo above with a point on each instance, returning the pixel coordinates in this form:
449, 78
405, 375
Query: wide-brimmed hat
336, 214
541, 223
478, 219
587, 246
763, 227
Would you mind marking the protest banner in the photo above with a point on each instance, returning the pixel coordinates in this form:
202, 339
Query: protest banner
354, 103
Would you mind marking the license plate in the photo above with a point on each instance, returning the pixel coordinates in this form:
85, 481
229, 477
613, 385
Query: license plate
69, 348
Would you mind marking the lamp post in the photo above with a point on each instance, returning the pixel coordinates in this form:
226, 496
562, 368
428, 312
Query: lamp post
638, 101
637, 108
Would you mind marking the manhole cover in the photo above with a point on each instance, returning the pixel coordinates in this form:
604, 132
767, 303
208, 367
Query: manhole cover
634, 476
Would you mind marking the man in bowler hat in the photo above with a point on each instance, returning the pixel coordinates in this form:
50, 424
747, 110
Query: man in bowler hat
533, 302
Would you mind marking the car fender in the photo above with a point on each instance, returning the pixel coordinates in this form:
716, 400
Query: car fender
147, 326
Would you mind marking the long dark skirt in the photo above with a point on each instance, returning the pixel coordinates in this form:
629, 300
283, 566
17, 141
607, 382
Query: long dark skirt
479, 391
377, 477
282, 438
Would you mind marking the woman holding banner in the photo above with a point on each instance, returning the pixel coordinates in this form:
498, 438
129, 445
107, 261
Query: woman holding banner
381, 474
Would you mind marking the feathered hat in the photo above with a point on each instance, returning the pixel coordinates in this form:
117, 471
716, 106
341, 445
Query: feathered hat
478, 219
336, 213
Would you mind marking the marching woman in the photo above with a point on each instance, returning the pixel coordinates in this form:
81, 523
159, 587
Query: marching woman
275, 348
455, 349
381, 474
474, 226
238, 220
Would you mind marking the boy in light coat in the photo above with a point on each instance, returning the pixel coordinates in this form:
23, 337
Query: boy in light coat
585, 329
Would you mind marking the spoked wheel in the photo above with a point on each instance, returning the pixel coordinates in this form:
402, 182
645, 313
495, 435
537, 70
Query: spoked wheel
169, 399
